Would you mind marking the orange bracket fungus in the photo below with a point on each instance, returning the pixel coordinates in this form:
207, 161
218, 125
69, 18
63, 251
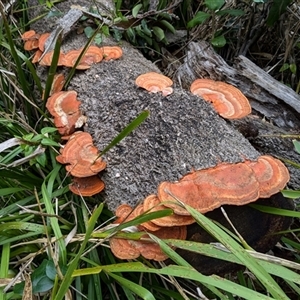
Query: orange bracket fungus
64, 107
81, 156
271, 174
86, 186
130, 249
226, 99
47, 59
154, 83
236, 184
152, 203
111, 52
31, 39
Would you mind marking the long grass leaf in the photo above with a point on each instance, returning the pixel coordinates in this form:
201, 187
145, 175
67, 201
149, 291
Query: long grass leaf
67, 280
136, 288
262, 275
127, 130
181, 272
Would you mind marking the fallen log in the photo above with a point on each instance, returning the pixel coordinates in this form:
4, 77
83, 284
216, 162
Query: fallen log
182, 133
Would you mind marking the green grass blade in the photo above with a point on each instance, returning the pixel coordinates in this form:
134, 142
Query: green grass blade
4, 267
52, 69
67, 280
276, 211
47, 199
181, 272
261, 274
273, 267
136, 288
127, 130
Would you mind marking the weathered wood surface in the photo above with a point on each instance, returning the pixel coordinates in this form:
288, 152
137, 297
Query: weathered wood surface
183, 132
271, 98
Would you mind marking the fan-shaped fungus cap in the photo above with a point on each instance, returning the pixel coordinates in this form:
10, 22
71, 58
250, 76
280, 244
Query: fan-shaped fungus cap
28, 34
86, 186
111, 52
208, 189
151, 250
92, 55
129, 249
271, 174
37, 56
153, 204
81, 156
226, 99
47, 59
42, 40
155, 82
64, 107
125, 213
139, 210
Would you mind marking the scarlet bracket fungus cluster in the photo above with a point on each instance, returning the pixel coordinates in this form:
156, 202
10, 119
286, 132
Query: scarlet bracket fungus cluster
154, 83
94, 54
206, 190
130, 249
79, 154
226, 99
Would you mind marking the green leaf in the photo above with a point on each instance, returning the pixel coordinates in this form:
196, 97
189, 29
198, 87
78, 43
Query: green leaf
199, 18
136, 10
168, 25
88, 31
219, 41
284, 67
297, 145
277, 9
214, 4
49, 142
291, 194
46, 130
231, 12
293, 68
127, 130
159, 33
41, 159
40, 281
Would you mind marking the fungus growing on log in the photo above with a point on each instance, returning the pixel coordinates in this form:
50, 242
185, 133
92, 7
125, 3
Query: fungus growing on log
86, 186
57, 84
42, 40
155, 82
31, 40
47, 59
92, 55
81, 156
226, 99
28, 34
37, 56
271, 174
236, 184
64, 107
152, 203
130, 249
111, 52
210, 188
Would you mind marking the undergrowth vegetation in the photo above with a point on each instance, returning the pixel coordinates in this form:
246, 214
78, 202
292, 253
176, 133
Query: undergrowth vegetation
54, 244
